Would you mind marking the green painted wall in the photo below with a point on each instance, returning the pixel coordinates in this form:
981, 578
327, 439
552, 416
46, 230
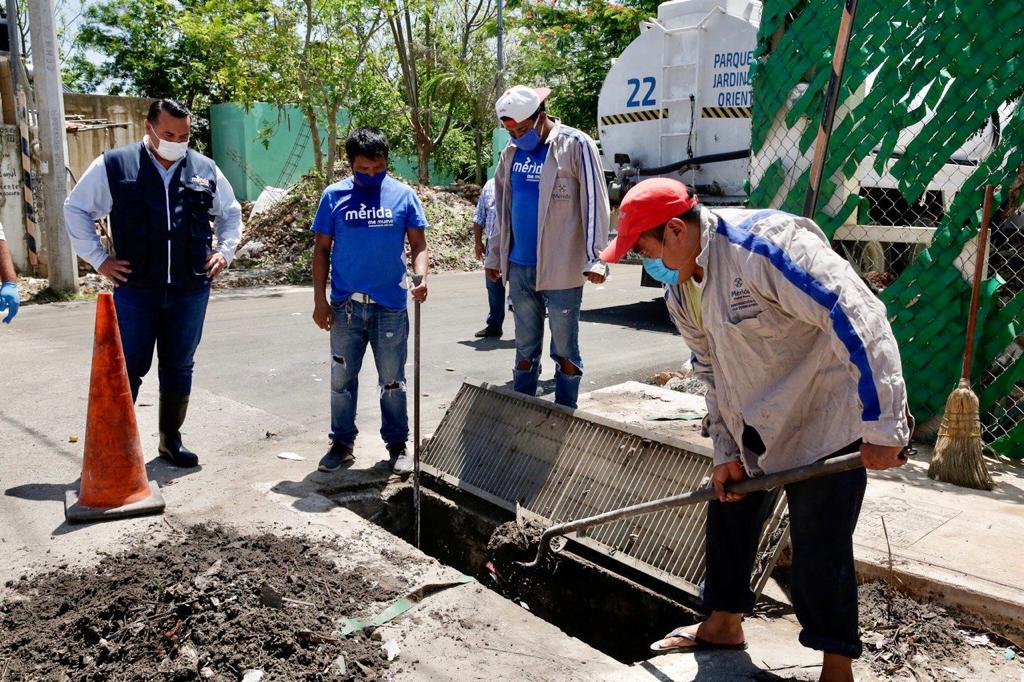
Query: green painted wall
499, 138
249, 162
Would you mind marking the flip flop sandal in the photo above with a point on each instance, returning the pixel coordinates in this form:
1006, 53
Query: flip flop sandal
698, 644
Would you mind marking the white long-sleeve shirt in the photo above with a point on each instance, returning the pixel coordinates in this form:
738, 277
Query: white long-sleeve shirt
90, 200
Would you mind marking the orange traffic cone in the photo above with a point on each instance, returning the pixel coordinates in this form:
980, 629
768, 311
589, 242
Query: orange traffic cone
114, 481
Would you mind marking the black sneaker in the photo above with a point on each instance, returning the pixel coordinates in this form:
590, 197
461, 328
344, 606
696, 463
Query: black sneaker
488, 332
337, 457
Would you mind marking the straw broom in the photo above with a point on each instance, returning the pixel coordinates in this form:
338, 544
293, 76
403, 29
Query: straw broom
958, 455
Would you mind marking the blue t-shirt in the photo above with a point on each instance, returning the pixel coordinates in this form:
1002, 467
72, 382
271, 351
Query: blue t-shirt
368, 227
526, 168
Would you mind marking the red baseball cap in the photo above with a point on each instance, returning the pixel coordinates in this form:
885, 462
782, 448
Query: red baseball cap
647, 205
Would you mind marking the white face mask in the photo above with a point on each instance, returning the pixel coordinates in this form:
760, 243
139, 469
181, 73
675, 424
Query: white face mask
171, 151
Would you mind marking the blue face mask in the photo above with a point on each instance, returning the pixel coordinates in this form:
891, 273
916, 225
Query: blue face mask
657, 269
529, 141
370, 181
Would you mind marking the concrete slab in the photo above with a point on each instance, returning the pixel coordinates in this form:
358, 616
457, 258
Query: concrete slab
653, 408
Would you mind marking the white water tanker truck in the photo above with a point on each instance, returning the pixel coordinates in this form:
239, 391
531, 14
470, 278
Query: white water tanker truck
678, 101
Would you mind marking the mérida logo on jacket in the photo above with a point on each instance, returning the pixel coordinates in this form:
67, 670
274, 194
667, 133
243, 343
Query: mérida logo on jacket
741, 302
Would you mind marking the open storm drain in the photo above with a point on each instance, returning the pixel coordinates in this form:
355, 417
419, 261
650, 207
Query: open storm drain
575, 592
500, 466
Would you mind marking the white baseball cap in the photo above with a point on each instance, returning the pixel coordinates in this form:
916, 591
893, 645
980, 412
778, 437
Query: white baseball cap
520, 102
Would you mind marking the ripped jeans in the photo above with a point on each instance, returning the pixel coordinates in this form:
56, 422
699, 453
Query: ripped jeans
563, 308
387, 331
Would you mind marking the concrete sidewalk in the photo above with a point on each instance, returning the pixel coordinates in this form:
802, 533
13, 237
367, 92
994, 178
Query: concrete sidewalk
959, 546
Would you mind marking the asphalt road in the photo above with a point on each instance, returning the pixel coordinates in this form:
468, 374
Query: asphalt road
261, 348
264, 349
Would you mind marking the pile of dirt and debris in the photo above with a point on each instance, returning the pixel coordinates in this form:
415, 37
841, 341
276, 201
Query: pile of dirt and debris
37, 290
879, 280
278, 245
210, 604
514, 542
683, 382
907, 638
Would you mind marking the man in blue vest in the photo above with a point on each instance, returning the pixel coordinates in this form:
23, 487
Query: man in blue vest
160, 196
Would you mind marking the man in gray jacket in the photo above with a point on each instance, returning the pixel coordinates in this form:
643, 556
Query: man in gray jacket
801, 365
551, 224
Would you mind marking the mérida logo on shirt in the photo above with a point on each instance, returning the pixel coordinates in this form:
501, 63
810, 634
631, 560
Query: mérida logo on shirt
531, 168
378, 216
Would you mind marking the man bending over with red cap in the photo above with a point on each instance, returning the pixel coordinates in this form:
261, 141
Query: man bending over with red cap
801, 365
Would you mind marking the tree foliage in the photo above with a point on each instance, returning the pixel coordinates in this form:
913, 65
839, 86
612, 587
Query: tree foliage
310, 53
433, 41
422, 70
146, 54
569, 45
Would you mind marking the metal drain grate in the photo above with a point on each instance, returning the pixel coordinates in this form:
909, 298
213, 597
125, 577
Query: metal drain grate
561, 465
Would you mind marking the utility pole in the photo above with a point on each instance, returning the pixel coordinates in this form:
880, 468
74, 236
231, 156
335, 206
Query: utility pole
61, 262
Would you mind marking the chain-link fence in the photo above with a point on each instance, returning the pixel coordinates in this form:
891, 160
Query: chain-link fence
930, 111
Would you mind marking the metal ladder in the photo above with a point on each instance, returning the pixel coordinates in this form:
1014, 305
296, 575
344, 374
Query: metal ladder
667, 67
291, 164
248, 172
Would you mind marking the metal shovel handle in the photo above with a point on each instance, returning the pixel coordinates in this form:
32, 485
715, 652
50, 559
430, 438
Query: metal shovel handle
416, 281
834, 465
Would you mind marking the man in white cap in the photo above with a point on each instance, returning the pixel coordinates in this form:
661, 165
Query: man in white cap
552, 223
801, 365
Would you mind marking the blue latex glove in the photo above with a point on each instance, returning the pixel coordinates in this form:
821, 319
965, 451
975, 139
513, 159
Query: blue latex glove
9, 300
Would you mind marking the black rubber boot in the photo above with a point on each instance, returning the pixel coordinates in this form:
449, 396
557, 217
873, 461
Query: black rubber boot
173, 409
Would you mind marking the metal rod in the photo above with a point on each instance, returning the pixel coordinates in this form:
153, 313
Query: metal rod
416, 280
829, 114
834, 465
979, 268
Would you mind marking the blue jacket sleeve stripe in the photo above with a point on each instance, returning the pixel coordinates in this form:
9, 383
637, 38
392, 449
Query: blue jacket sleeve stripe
591, 201
587, 167
804, 281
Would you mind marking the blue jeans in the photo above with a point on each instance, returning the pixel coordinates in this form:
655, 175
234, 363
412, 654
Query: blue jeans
495, 303
387, 331
823, 514
563, 307
167, 318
